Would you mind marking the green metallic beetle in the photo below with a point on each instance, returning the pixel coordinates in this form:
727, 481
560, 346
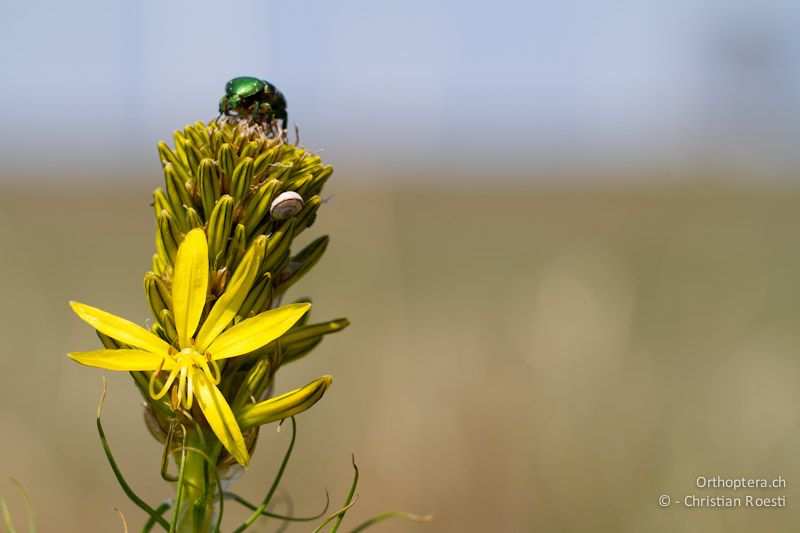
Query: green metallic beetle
260, 99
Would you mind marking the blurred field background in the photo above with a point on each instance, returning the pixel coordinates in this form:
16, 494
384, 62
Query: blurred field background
552, 364
566, 238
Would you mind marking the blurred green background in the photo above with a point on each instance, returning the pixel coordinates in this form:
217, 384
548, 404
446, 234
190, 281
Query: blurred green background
521, 358
566, 237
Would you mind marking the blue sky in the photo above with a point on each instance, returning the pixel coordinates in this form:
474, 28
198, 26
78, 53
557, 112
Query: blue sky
472, 84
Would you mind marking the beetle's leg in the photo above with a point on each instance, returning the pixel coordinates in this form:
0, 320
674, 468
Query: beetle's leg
223, 108
264, 110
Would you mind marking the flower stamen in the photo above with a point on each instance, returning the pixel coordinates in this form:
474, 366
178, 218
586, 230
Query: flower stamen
154, 377
182, 383
211, 370
167, 384
189, 391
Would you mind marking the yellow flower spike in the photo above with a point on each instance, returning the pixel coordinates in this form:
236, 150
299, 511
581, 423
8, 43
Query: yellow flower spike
190, 284
194, 365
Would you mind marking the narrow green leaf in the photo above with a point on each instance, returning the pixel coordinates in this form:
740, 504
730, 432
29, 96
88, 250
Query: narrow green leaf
118, 473
160, 510
6, 516
257, 513
28, 506
387, 516
253, 507
347, 504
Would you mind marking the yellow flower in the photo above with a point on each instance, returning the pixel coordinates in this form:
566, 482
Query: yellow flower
194, 363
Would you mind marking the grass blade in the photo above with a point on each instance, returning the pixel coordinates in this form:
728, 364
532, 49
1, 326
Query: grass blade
338, 516
122, 519
349, 497
391, 514
28, 505
6, 516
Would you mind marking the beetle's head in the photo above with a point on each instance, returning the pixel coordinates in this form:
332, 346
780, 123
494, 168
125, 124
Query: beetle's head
229, 103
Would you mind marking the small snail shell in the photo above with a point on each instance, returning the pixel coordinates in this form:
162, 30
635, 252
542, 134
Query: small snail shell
286, 204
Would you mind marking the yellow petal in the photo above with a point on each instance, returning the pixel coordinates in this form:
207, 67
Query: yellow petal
122, 359
226, 307
190, 284
219, 416
283, 406
120, 329
253, 333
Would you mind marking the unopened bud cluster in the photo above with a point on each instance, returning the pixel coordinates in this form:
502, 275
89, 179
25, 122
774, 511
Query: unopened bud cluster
244, 188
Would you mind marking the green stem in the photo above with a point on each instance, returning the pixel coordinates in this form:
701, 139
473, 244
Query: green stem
180, 483
197, 508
